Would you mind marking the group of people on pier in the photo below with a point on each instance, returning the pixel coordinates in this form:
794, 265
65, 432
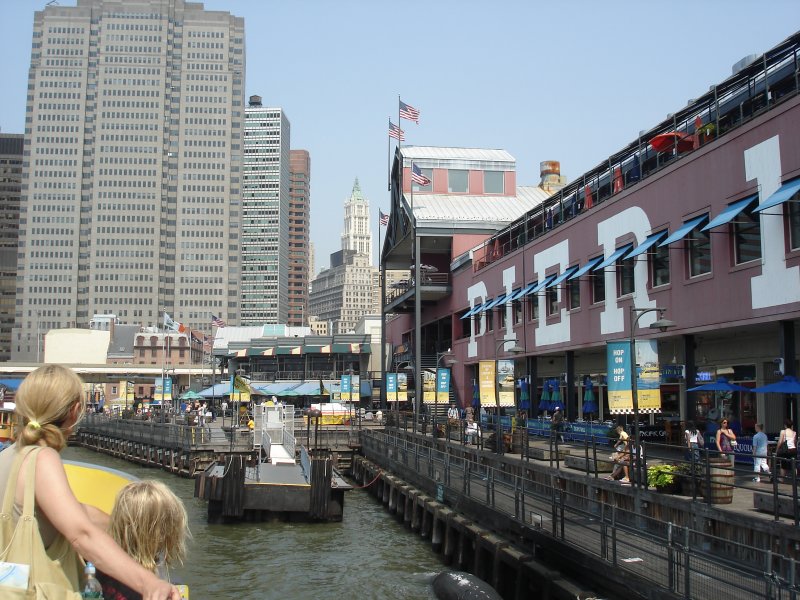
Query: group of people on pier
47, 530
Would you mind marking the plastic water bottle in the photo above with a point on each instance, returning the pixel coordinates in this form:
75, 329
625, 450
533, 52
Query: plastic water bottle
92, 587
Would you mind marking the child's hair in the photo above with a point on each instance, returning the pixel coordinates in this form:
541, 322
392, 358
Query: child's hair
149, 521
44, 401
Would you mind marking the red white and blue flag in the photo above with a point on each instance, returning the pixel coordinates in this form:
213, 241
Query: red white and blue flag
383, 218
409, 112
396, 133
217, 321
417, 176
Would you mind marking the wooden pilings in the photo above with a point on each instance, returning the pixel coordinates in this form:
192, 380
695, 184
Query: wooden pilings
466, 545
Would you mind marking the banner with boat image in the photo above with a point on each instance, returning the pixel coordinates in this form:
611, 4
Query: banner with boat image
648, 377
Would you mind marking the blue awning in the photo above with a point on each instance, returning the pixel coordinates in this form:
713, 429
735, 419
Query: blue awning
614, 256
521, 292
683, 231
490, 305
472, 311
538, 286
730, 213
585, 268
513, 295
646, 245
563, 276
786, 191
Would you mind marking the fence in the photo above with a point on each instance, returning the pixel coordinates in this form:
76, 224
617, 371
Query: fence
678, 559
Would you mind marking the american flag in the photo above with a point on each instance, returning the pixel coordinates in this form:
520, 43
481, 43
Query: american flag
396, 133
417, 176
217, 321
208, 343
384, 218
408, 112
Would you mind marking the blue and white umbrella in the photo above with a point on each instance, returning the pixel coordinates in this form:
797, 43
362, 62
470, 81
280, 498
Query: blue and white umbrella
589, 402
544, 402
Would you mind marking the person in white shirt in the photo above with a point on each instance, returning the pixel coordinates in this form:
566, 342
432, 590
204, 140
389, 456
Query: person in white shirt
452, 412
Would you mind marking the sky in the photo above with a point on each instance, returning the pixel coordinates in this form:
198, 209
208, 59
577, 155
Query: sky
573, 81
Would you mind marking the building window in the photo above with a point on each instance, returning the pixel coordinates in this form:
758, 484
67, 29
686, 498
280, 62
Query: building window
699, 244
457, 181
424, 188
517, 311
625, 276
574, 293
598, 281
501, 317
489, 316
794, 221
658, 265
533, 306
552, 300
493, 182
747, 236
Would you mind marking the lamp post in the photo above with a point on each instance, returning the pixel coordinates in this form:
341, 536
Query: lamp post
515, 349
449, 362
661, 324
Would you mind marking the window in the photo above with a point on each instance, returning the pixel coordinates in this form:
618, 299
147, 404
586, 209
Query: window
747, 236
533, 306
794, 221
658, 259
489, 316
501, 316
493, 182
457, 181
552, 300
424, 188
517, 311
699, 245
625, 276
598, 285
574, 293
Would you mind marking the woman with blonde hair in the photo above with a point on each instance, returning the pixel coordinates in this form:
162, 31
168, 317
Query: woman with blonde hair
49, 403
149, 522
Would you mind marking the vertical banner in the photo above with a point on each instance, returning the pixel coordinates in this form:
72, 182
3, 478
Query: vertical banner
163, 389
402, 387
648, 392
344, 389
443, 385
391, 387
648, 382
428, 386
355, 388
486, 382
505, 382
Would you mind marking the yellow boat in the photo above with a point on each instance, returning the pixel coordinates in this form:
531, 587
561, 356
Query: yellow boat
7, 421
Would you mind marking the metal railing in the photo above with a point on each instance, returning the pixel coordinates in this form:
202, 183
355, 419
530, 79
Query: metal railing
677, 559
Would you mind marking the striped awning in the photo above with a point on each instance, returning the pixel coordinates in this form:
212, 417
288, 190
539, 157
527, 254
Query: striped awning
642, 411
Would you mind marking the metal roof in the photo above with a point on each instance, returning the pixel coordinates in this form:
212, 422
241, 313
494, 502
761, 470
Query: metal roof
464, 212
436, 153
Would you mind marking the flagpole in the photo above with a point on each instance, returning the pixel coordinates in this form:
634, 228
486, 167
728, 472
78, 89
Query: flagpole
417, 312
389, 159
399, 122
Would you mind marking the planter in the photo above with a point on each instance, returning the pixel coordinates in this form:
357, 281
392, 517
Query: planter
691, 486
670, 488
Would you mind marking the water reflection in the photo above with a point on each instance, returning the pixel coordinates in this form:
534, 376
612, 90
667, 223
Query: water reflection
368, 555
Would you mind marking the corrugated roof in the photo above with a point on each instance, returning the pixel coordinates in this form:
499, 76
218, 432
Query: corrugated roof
533, 194
441, 209
434, 152
225, 335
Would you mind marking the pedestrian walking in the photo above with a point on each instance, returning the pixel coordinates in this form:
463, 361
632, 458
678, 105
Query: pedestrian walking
726, 440
787, 446
556, 422
760, 453
694, 441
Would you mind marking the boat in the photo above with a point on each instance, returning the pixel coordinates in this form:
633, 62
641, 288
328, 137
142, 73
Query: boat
7, 422
94, 485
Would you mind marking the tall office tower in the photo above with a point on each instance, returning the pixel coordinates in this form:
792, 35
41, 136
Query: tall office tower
299, 219
357, 234
265, 215
130, 196
10, 181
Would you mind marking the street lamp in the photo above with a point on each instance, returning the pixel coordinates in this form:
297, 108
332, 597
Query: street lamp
515, 349
449, 363
397, 367
662, 325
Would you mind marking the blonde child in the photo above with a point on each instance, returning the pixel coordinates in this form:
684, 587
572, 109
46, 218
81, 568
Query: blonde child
149, 522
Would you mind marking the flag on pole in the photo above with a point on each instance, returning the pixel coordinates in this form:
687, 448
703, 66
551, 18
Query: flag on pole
396, 133
217, 321
384, 218
194, 338
208, 342
409, 112
172, 325
417, 176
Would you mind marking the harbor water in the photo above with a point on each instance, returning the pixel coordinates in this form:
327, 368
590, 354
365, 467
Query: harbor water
368, 555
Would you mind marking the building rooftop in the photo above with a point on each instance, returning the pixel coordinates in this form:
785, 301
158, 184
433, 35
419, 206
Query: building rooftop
433, 152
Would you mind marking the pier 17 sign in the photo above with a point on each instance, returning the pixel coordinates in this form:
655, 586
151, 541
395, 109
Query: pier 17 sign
648, 392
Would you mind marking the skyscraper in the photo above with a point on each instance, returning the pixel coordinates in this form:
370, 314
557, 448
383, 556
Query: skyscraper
299, 219
357, 234
265, 222
10, 181
131, 190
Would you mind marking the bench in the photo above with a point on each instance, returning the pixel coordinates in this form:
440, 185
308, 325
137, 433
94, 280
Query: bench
766, 502
579, 463
544, 453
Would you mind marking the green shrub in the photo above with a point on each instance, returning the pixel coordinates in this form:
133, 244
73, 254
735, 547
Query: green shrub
661, 475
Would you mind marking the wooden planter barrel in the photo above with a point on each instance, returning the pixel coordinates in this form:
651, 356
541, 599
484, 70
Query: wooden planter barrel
721, 481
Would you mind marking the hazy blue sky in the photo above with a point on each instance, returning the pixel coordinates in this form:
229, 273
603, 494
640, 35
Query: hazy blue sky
572, 81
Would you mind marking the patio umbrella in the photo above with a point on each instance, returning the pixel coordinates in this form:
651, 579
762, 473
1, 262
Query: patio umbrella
544, 402
476, 397
589, 403
190, 395
672, 139
721, 385
524, 395
555, 398
788, 385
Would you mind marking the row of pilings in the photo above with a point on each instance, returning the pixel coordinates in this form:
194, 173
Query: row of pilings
465, 545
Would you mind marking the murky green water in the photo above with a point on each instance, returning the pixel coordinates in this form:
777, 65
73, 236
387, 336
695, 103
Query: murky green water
368, 555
